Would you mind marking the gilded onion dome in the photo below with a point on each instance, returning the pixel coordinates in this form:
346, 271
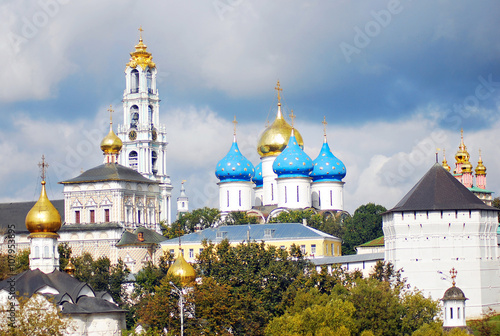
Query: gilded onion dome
182, 269
480, 168
445, 163
327, 167
293, 161
111, 144
462, 155
141, 56
466, 166
43, 220
275, 138
258, 179
234, 166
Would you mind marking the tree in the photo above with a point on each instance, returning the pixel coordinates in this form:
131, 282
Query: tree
496, 204
190, 221
239, 217
64, 251
12, 264
36, 316
436, 329
363, 226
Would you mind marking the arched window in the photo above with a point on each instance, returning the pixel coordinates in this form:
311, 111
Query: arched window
150, 115
45, 251
154, 159
132, 160
37, 252
134, 85
149, 78
134, 116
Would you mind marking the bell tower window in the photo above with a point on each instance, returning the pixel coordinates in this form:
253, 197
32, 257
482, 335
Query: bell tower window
149, 78
154, 159
150, 115
134, 116
134, 85
132, 160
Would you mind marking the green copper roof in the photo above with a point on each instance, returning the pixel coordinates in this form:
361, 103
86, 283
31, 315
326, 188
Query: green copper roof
109, 172
479, 190
374, 243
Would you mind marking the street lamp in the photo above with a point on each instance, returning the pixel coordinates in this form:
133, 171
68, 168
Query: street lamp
181, 299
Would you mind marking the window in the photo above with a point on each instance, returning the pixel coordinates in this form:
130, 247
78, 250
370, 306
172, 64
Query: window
331, 198
297, 193
286, 198
45, 251
77, 217
172, 251
132, 160
303, 249
183, 204
149, 79
191, 253
154, 158
92, 216
227, 193
458, 312
268, 233
106, 215
319, 197
451, 313
221, 234
134, 116
332, 250
201, 250
313, 249
37, 252
272, 192
282, 247
239, 195
150, 115
134, 85
326, 249
139, 216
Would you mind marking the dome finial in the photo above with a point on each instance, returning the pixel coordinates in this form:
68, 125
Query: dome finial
234, 127
324, 128
140, 33
453, 273
43, 167
110, 110
445, 163
292, 116
278, 89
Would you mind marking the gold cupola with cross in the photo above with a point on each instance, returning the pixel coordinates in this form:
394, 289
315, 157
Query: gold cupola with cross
275, 137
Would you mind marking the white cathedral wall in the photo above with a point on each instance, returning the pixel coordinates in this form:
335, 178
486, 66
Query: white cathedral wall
235, 196
328, 195
294, 192
97, 324
427, 245
269, 187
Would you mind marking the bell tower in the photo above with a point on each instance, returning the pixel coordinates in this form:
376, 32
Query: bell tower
144, 139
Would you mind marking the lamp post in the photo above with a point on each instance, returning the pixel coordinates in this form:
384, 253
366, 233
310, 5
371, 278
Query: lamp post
181, 299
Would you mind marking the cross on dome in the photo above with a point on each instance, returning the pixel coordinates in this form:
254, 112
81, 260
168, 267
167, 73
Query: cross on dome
453, 273
292, 116
324, 125
110, 110
234, 123
43, 166
140, 32
278, 88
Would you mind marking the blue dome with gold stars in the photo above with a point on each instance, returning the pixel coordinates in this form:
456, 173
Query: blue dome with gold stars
327, 167
293, 161
234, 166
258, 179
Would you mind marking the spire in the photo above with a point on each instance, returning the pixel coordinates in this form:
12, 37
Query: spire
445, 163
324, 129
234, 129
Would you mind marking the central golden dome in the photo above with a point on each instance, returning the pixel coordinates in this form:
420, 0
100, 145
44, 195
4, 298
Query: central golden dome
275, 137
182, 269
111, 144
43, 220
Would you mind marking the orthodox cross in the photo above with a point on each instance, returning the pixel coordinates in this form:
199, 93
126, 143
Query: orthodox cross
110, 110
234, 123
278, 88
453, 274
324, 125
140, 33
43, 166
292, 116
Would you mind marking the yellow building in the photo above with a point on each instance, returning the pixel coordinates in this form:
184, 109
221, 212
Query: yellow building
314, 243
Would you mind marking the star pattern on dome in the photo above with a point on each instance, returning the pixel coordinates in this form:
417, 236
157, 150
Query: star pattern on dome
327, 167
293, 161
239, 167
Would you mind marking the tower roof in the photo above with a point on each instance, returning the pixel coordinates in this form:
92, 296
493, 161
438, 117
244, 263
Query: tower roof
439, 190
293, 161
43, 220
109, 172
234, 166
327, 167
141, 56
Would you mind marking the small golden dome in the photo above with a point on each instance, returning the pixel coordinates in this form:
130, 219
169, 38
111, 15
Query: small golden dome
462, 155
43, 220
480, 168
275, 137
466, 167
445, 165
182, 269
111, 144
70, 268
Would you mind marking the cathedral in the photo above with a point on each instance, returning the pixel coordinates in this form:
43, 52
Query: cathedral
285, 178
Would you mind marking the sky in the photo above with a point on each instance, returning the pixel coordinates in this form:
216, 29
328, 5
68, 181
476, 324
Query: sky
394, 79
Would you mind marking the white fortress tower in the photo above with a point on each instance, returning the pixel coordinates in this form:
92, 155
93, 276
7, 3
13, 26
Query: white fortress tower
440, 225
144, 139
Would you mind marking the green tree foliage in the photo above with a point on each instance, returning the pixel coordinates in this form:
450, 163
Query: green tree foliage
363, 226
12, 264
239, 217
436, 329
64, 251
100, 275
197, 219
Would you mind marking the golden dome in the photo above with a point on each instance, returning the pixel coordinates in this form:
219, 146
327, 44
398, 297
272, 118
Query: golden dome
466, 167
182, 269
480, 168
141, 56
275, 137
70, 268
111, 144
462, 155
43, 220
445, 163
